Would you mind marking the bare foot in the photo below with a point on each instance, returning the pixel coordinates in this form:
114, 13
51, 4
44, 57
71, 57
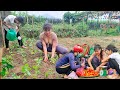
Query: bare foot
65, 76
24, 47
7, 49
62, 76
109, 76
113, 76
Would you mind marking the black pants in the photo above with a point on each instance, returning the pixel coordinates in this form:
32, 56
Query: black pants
66, 70
7, 41
114, 65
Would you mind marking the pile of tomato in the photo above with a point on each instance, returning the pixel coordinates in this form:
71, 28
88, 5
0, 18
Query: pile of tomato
86, 73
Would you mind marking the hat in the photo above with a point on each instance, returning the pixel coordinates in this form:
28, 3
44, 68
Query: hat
77, 48
20, 19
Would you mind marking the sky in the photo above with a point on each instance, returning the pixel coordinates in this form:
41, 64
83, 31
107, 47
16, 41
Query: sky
56, 14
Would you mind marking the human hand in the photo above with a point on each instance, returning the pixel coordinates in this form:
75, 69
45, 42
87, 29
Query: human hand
52, 56
9, 26
91, 68
45, 59
97, 69
83, 64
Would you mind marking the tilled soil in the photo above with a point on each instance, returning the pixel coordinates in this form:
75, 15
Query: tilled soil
47, 70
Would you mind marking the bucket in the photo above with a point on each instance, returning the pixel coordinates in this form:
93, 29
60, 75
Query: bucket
103, 71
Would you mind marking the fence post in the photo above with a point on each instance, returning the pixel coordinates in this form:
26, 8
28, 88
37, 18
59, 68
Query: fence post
83, 23
119, 23
97, 20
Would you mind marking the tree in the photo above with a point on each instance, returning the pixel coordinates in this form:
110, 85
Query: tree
67, 16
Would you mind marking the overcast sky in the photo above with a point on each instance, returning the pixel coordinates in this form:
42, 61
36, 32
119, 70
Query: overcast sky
56, 14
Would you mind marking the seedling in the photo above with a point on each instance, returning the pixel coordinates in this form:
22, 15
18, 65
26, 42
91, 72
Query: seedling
26, 69
49, 72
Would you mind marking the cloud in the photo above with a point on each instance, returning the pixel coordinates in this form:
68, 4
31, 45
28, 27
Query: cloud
56, 14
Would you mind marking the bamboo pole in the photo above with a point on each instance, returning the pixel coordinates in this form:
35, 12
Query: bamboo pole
32, 23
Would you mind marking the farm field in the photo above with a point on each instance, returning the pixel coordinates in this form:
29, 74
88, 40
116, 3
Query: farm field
28, 63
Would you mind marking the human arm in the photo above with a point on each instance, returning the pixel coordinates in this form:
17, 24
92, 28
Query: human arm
44, 48
7, 25
72, 62
90, 59
17, 27
105, 59
54, 45
98, 68
103, 62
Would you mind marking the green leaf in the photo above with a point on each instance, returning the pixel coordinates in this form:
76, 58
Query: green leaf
25, 69
38, 60
53, 60
9, 66
46, 74
28, 73
3, 72
4, 62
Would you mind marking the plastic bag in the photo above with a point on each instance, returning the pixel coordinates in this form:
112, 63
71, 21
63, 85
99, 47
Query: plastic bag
79, 71
72, 75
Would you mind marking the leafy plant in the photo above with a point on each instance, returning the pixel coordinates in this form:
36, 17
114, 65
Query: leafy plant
6, 66
26, 69
53, 60
36, 68
33, 51
14, 76
38, 60
22, 52
49, 72
24, 60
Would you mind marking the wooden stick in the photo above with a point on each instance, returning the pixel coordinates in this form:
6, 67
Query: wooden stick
2, 33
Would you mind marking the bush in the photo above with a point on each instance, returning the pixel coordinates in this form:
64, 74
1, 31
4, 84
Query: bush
81, 30
68, 30
96, 24
32, 31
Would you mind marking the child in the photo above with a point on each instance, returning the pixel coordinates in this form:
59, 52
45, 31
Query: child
49, 42
113, 59
95, 59
9, 22
69, 62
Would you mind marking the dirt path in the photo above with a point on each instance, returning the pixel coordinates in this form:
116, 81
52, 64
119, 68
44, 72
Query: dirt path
20, 57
